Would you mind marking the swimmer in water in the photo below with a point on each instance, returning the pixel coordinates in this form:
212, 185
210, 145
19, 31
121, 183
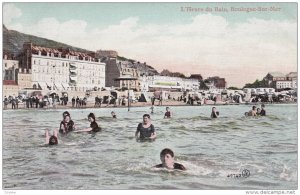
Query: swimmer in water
146, 129
113, 114
252, 112
53, 139
168, 113
152, 110
214, 113
93, 126
167, 159
66, 125
263, 111
258, 111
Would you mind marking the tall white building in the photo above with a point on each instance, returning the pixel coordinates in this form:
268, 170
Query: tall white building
62, 69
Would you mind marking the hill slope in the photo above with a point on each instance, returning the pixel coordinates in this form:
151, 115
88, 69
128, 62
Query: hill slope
13, 43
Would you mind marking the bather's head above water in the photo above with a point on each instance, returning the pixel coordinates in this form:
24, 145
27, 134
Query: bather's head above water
91, 117
53, 140
167, 157
146, 118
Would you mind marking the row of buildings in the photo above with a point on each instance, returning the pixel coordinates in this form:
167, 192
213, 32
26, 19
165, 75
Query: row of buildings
61, 69
278, 80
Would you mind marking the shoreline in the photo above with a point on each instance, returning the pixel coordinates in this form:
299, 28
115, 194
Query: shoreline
140, 104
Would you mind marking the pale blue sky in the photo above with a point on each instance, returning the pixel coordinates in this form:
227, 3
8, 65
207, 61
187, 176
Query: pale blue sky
103, 14
210, 43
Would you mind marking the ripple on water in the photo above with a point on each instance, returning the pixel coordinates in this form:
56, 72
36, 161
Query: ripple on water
209, 149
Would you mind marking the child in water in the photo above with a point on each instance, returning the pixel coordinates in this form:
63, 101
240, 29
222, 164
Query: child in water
53, 139
167, 159
93, 126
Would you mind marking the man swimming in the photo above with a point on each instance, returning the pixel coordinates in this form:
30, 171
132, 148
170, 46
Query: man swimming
252, 112
167, 159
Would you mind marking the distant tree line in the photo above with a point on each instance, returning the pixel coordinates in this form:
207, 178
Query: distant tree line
256, 84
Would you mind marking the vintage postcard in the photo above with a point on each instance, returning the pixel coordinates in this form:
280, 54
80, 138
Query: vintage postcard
149, 95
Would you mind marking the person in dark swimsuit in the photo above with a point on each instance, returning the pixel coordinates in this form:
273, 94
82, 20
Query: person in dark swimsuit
145, 130
258, 111
67, 125
263, 111
168, 113
167, 159
93, 126
51, 139
214, 113
113, 114
152, 109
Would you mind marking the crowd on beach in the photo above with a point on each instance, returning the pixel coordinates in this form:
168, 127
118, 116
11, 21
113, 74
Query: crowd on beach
145, 131
186, 98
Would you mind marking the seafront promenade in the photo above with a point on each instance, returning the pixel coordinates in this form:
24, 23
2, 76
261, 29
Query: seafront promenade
90, 104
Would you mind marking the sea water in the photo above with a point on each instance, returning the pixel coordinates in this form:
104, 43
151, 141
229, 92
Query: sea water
216, 152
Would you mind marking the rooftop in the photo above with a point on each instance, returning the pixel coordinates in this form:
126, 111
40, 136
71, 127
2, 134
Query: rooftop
276, 74
292, 74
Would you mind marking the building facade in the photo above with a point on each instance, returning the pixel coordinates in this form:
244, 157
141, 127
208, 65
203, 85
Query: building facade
278, 80
283, 84
24, 79
293, 77
166, 83
9, 68
271, 78
215, 83
62, 69
121, 74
